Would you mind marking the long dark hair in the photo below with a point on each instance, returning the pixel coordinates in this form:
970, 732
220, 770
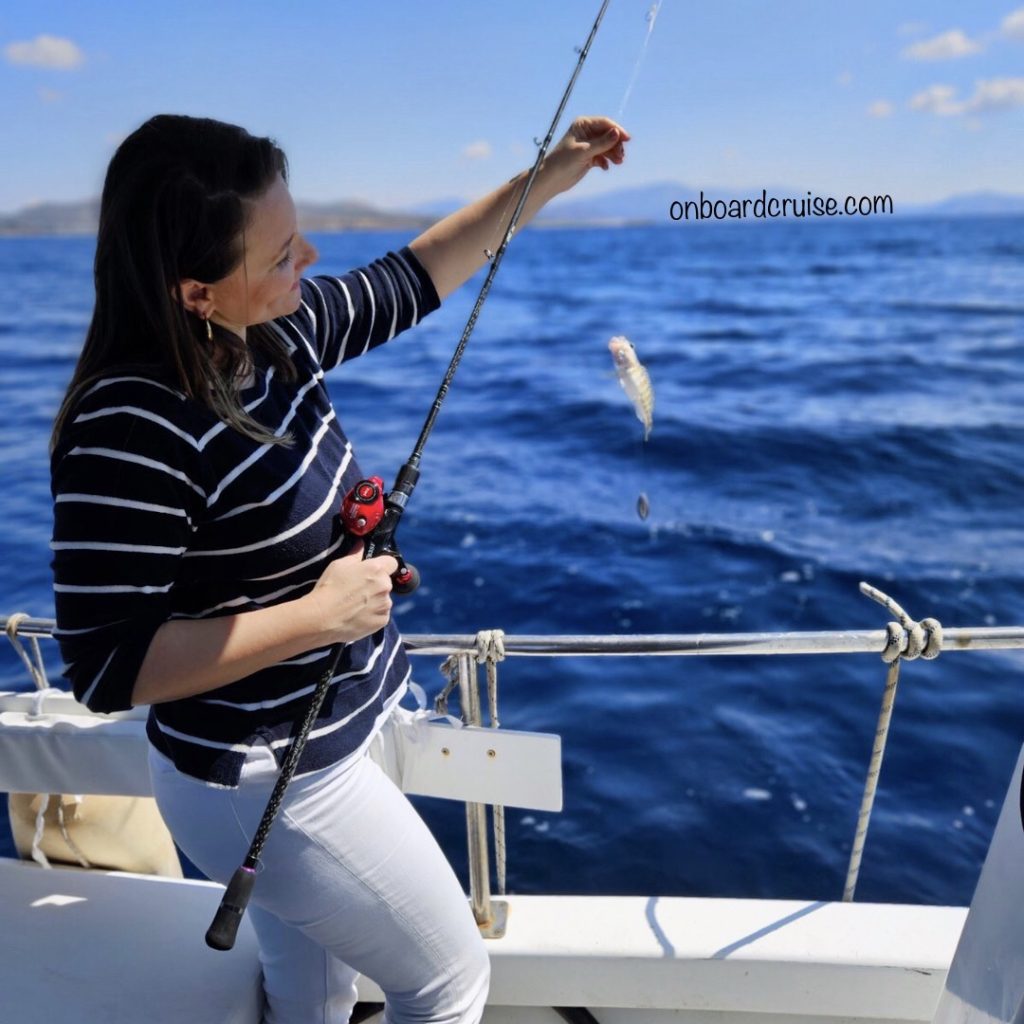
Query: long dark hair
175, 206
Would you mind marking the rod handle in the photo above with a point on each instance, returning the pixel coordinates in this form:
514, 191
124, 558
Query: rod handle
221, 933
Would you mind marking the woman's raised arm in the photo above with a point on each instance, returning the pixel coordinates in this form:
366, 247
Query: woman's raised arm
452, 250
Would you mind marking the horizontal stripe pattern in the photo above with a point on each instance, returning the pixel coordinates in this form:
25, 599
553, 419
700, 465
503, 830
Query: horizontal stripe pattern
162, 512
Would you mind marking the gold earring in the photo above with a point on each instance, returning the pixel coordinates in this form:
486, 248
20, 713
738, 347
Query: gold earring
209, 330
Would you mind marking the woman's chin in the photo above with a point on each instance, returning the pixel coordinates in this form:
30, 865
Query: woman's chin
287, 305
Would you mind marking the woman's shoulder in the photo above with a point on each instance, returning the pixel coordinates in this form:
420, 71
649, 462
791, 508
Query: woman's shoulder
135, 409
138, 385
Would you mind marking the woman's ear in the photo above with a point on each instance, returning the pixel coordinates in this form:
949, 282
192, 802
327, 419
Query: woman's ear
196, 297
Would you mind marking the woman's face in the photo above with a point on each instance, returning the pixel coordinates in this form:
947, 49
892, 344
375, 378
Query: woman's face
266, 285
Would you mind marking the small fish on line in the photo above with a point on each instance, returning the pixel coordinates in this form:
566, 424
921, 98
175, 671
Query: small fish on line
643, 506
635, 381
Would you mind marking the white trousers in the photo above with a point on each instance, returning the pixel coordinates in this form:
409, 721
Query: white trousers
351, 882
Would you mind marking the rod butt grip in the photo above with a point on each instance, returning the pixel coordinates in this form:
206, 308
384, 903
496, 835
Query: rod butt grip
221, 933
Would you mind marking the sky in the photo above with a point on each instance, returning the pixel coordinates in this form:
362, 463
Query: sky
400, 102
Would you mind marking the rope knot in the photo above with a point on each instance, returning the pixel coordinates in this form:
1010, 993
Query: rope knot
906, 639
490, 646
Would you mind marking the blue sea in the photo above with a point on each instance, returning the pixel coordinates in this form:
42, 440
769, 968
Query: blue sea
835, 401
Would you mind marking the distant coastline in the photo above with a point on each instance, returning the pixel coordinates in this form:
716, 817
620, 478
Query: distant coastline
643, 205
82, 218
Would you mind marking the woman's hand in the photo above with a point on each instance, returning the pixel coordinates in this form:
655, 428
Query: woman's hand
352, 598
589, 142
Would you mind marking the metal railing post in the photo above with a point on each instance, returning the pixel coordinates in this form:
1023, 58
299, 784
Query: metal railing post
489, 916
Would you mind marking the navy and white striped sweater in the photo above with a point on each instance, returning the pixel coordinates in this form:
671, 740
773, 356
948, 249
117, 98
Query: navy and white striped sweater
163, 512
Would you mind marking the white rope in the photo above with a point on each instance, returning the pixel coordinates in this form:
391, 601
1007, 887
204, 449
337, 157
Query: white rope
36, 669
905, 640
450, 670
923, 639
72, 845
37, 850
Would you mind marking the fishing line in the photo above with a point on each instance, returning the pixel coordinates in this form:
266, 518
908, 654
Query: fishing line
652, 17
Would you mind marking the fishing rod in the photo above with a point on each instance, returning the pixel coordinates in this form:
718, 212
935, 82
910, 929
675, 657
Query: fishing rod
367, 513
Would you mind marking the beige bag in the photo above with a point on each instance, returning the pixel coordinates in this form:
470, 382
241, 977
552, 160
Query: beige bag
119, 833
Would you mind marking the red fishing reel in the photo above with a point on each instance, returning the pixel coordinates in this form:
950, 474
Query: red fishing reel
363, 507
363, 510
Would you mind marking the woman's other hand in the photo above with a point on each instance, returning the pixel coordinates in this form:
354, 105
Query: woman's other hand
589, 142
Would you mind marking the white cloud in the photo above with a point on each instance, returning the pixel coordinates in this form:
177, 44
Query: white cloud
881, 108
1013, 24
996, 94
912, 28
948, 46
479, 150
990, 95
936, 99
46, 52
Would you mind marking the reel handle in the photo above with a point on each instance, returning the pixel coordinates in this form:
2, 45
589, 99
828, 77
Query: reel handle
407, 577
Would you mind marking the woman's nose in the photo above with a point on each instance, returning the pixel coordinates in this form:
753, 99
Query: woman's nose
309, 253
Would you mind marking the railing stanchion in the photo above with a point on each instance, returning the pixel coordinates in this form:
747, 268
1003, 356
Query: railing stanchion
490, 917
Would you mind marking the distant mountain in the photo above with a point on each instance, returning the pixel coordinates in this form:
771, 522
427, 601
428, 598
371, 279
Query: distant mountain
642, 204
357, 216
976, 203
651, 204
81, 218
437, 208
78, 218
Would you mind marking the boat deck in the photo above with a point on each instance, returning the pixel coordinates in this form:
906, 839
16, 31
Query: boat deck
625, 959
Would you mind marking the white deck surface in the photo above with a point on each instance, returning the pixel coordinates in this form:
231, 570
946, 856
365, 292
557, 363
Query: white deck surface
91, 947
110, 948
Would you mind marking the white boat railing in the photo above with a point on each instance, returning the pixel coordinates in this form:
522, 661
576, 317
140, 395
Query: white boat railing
554, 645
466, 653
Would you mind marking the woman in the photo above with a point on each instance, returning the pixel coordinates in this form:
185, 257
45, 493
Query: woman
200, 566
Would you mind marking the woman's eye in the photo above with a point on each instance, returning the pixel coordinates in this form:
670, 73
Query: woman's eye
284, 263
